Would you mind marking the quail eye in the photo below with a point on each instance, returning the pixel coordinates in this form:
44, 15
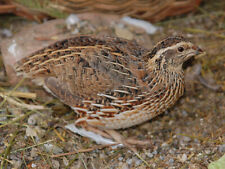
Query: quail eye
180, 49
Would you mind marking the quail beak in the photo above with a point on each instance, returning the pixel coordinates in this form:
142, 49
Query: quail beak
199, 52
196, 52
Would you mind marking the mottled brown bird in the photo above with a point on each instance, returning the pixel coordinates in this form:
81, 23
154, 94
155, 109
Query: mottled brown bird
110, 82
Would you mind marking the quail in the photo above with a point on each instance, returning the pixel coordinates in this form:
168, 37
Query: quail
111, 83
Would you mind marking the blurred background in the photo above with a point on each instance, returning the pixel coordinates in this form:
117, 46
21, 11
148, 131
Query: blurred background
189, 135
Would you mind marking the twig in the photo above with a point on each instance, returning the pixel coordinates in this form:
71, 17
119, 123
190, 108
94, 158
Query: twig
18, 85
22, 105
7, 151
21, 94
146, 163
18, 119
36, 145
71, 162
6, 160
84, 150
59, 135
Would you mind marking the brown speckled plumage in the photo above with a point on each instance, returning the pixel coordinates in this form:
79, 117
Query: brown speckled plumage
111, 83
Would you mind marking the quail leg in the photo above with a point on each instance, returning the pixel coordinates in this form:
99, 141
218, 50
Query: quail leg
113, 134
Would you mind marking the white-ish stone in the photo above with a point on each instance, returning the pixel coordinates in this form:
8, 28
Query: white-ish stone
183, 158
6, 32
32, 120
52, 148
147, 26
30, 131
123, 33
33, 165
72, 19
65, 161
12, 48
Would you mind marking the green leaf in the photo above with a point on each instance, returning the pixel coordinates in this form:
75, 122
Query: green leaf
219, 164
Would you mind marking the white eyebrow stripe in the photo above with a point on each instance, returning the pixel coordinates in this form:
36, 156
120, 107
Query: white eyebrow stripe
159, 53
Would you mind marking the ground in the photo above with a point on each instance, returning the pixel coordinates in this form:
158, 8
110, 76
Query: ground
189, 135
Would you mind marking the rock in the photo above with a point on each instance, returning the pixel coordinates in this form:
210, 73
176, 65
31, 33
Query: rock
65, 161
123, 33
222, 148
183, 158
16, 163
34, 152
30, 131
50, 148
32, 120
55, 164
72, 19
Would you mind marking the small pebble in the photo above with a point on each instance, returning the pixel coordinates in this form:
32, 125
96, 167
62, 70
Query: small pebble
164, 145
72, 19
171, 151
186, 139
184, 113
3, 118
222, 148
161, 157
120, 158
199, 155
55, 164
32, 120
196, 140
34, 152
124, 166
171, 122
30, 131
150, 155
201, 121
137, 162
153, 165
171, 161
75, 31
65, 161
16, 163
52, 148
184, 158
6, 32
33, 165
207, 151
123, 33
129, 161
